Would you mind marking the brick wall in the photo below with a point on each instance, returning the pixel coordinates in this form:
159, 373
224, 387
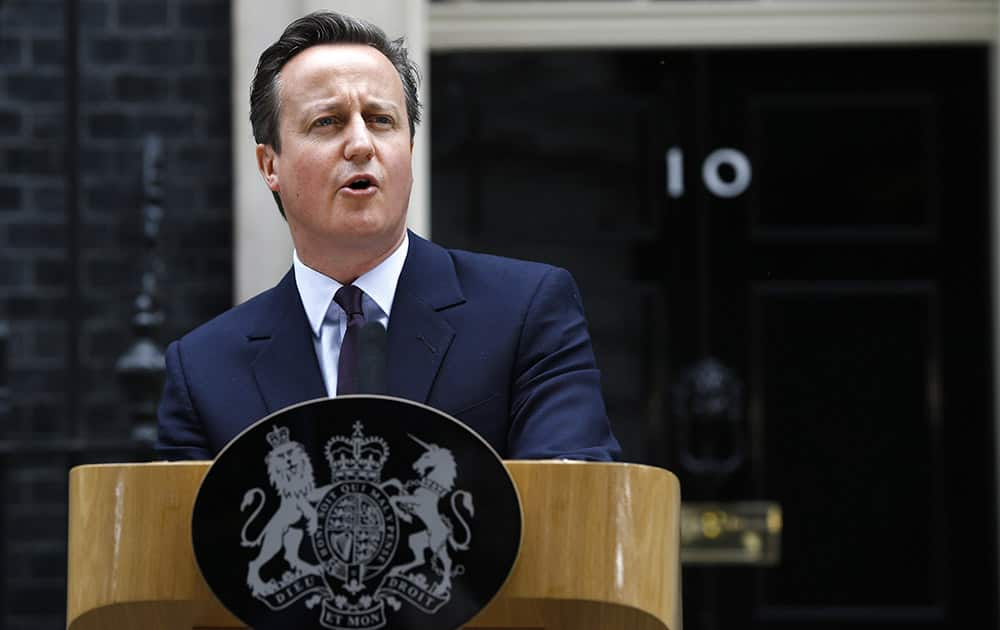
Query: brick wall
82, 83
33, 243
33, 267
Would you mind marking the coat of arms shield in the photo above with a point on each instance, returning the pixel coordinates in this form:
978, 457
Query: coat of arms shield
356, 513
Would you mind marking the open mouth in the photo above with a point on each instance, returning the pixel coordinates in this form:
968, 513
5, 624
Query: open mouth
360, 182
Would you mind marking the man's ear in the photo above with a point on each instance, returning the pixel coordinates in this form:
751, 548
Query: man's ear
267, 164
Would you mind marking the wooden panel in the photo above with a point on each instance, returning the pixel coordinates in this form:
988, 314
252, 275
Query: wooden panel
600, 549
129, 542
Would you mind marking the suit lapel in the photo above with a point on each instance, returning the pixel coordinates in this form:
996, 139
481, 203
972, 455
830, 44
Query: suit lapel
286, 368
419, 336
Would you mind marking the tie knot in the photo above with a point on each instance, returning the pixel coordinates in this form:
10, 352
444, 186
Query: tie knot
348, 297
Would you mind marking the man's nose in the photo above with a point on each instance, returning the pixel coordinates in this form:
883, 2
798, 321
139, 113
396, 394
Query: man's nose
359, 144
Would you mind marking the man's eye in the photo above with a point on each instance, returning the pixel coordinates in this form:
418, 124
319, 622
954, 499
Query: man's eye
326, 121
382, 120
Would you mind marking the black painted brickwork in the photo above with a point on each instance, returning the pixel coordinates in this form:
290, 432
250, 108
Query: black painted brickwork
141, 67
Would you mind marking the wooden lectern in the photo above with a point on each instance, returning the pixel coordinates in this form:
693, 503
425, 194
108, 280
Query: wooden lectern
600, 549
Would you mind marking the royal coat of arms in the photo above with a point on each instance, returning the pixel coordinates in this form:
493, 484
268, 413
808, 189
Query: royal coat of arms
360, 544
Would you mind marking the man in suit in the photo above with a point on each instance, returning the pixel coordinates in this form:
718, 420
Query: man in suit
500, 344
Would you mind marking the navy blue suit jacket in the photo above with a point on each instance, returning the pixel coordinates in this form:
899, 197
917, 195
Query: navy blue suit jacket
500, 344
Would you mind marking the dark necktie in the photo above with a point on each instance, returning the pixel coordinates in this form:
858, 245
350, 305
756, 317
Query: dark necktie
349, 299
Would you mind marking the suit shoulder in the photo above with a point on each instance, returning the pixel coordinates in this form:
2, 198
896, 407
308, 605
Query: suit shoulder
500, 268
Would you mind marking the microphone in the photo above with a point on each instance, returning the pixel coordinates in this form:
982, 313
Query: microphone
372, 359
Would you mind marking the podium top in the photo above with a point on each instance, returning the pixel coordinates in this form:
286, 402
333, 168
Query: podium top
600, 549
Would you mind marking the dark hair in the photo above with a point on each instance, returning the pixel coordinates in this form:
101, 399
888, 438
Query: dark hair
322, 27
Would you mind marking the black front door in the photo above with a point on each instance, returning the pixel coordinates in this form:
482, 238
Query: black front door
784, 256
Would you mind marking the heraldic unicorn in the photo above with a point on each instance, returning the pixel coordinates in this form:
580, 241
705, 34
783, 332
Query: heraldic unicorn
353, 525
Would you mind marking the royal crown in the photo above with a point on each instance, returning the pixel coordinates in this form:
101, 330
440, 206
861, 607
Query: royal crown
357, 458
278, 436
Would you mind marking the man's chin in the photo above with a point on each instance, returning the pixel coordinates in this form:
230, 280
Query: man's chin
370, 239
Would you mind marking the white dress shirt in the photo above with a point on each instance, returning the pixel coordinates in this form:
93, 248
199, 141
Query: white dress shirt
329, 322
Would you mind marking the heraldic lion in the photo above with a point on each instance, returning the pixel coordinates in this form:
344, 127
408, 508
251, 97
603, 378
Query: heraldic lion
291, 474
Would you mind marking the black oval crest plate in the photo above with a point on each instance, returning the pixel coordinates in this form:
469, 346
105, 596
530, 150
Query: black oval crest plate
356, 513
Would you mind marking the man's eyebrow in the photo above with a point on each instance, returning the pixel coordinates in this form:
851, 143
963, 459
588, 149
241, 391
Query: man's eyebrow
379, 103
323, 105
334, 103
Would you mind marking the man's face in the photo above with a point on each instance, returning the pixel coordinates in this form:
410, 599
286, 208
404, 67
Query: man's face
344, 171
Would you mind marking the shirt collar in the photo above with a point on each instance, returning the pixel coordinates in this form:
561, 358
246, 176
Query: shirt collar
316, 289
